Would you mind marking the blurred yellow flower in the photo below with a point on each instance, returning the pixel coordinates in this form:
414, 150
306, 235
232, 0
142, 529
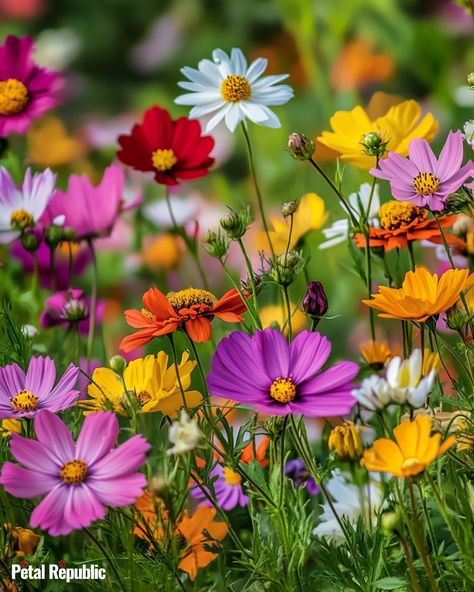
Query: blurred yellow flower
376, 353
400, 124
24, 541
310, 215
7, 426
345, 440
49, 143
162, 253
274, 314
150, 380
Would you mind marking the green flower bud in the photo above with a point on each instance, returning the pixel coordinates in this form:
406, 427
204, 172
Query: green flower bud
69, 234
470, 79
235, 224
118, 364
53, 235
289, 208
285, 268
390, 522
301, 147
373, 144
30, 241
216, 244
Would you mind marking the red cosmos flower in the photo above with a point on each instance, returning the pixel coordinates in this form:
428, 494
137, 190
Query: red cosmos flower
192, 309
173, 150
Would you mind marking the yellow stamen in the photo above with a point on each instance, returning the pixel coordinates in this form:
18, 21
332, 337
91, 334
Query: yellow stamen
13, 97
396, 214
24, 401
231, 477
235, 88
163, 160
425, 183
283, 390
189, 297
412, 464
147, 314
21, 219
144, 397
74, 472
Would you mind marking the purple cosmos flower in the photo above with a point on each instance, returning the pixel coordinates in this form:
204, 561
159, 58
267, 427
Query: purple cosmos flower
21, 208
296, 470
263, 371
90, 210
422, 179
65, 309
79, 479
26, 90
24, 395
228, 489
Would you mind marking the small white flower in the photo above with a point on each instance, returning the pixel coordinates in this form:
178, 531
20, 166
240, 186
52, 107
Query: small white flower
373, 393
405, 381
231, 89
21, 208
468, 132
184, 434
338, 232
29, 331
350, 502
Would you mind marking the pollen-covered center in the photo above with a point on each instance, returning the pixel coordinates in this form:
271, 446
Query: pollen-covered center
147, 314
412, 465
189, 297
425, 183
74, 472
21, 219
235, 88
164, 159
231, 477
396, 214
13, 97
24, 401
283, 390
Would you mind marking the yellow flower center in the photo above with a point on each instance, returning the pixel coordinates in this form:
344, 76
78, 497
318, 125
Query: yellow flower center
231, 477
74, 472
235, 88
13, 96
21, 219
283, 390
24, 401
425, 183
163, 160
412, 465
143, 397
189, 297
396, 214
147, 314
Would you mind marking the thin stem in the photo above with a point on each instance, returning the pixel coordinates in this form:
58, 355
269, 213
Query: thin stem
412, 255
111, 563
409, 558
252, 281
93, 305
282, 462
286, 299
175, 360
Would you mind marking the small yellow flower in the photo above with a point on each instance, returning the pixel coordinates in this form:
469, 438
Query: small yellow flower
400, 124
22, 541
376, 353
8, 426
49, 143
274, 314
162, 253
413, 450
345, 440
150, 380
309, 216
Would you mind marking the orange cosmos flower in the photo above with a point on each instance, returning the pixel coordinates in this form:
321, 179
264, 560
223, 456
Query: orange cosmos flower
192, 310
422, 294
377, 353
413, 450
403, 222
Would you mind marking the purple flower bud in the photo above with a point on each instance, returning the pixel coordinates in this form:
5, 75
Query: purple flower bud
315, 302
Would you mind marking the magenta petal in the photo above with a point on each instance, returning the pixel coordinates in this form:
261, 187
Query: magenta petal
119, 492
454, 182
337, 376
422, 156
40, 376
34, 455
12, 380
450, 158
331, 404
126, 458
98, 436
65, 384
271, 350
53, 433
397, 166
308, 353
49, 514
26, 484
82, 506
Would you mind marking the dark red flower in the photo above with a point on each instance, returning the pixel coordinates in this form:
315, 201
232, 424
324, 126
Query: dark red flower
174, 150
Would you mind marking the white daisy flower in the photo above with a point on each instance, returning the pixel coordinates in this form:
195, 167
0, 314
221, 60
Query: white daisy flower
22, 207
405, 380
234, 91
468, 134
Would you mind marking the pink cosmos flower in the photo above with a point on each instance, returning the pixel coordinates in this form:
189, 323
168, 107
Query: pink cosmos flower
227, 487
422, 179
90, 210
66, 308
26, 90
23, 395
80, 479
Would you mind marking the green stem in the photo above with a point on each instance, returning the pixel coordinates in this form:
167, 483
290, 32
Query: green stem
286, 299
93, 304
252, 281
109, 559
175, 360
409, 558
282, 463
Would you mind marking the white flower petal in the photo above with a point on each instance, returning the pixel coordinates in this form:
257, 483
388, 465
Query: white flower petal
256, 69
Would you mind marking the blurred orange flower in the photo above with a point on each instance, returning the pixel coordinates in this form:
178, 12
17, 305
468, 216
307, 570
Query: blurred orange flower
49, 143
162, 253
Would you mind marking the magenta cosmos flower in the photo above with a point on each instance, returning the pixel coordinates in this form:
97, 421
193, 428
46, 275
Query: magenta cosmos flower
276, 378
79, 479
90, 210
26, 90
422, 179
227, 487
23, 395
69, 308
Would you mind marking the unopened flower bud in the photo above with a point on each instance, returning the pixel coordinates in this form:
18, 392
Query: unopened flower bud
301, 147
315, 302
216, 244
69, 233
456, 318
286, 267
289, 208
390, 522
373, 144
235, 224
30, 241
470, 79
75, 310
246, 284
118, 364
346, 442
53, 236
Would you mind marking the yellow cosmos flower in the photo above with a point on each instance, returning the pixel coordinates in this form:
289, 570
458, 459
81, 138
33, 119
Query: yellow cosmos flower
273, 313
150, 380
422, 294
345, 440
400, 124
377, 353
310, 215
413, 450
49, 143
7, 426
